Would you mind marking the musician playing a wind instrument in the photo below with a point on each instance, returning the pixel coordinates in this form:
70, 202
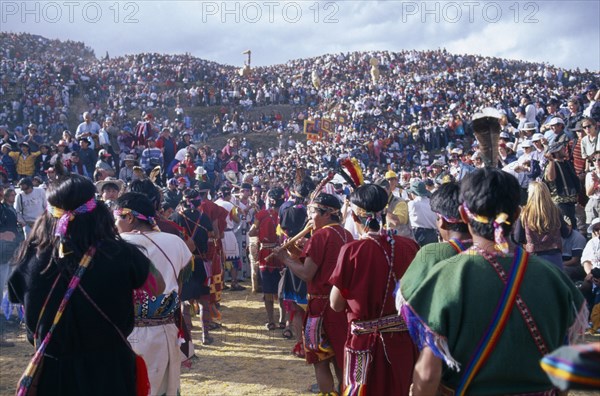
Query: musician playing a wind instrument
265, 228
324, 329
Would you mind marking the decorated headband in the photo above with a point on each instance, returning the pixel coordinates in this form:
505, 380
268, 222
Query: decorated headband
137, 215
325, 208
360, 212
501, 218
65, 216
451, 220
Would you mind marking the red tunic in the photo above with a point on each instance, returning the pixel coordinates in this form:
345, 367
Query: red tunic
361, 275
323, 248
268, 220
215, 212
170, 227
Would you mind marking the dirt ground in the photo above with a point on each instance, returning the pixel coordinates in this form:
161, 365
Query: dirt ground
232, 365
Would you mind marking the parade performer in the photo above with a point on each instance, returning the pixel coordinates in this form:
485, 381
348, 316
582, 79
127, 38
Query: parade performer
231, 249
478, 310
379, 354
265, 227
217, 216
292, 218
246, 210
196, 289
88, 344
324, 329
453, 230
155, 337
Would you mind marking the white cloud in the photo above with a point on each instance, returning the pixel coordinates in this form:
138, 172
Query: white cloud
565, 34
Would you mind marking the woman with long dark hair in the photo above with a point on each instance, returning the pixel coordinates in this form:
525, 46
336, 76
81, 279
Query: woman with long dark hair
88, 353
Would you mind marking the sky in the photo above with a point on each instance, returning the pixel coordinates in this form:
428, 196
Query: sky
561, 33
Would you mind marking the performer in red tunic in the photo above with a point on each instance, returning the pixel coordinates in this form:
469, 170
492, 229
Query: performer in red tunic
379, 354
217, 216
265, 227
324, 329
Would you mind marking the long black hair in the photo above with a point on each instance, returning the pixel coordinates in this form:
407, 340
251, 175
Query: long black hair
95, 227
147, 188
445, 201
372, 198
138, 202
489, 192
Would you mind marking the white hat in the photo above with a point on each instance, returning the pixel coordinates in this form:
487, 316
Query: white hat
556, 121
504, 135
537, 137
526, 143
487, 112
231, 176
528, 126
594, 222
110, 180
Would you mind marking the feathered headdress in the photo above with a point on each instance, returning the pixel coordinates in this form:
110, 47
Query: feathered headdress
351, 172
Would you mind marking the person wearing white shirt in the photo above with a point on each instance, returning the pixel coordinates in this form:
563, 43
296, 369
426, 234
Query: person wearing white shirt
29, 204
589, 143
592, 189
422, 218
88, 128
155, 335
591, 94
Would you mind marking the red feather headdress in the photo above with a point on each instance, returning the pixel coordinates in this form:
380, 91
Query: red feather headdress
351, 172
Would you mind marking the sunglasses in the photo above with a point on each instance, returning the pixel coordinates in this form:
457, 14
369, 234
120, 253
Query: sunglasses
586, 126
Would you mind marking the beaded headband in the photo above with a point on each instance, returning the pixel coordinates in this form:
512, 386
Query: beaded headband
137, 215
501, 218
65, 216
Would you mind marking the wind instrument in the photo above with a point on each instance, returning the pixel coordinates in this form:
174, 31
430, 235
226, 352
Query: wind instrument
291, 241
308, 227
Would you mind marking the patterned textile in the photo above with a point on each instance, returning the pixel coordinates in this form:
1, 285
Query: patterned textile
574, 367
387, 324
155, 307
355, 372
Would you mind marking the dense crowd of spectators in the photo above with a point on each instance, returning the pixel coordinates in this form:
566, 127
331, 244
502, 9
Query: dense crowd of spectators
410, 118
